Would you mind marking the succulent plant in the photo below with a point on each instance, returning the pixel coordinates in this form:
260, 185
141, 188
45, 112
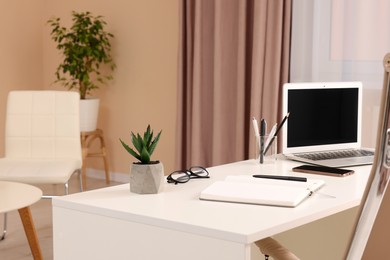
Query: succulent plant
144, 145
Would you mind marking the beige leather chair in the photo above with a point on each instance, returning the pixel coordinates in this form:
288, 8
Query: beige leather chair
379, 177
42, 138
374, 192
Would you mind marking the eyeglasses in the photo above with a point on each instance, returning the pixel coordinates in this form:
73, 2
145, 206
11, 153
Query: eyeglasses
185, 175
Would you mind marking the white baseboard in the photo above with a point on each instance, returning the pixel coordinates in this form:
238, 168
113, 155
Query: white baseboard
114, 176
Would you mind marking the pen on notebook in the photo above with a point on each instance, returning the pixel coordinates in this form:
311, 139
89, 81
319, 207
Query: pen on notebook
277, 131
263, 126
280, 177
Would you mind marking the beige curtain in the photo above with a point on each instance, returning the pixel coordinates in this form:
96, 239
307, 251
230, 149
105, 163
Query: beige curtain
233, 61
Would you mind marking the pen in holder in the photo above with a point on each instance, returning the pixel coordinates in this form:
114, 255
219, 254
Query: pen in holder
266, 153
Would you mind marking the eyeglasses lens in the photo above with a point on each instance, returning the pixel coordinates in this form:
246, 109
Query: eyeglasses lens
199, 171
180, 176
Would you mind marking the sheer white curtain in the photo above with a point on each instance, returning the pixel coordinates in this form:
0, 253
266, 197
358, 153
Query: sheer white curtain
342, 40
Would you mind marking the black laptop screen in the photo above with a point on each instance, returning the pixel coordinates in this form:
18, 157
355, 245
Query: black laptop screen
322, 116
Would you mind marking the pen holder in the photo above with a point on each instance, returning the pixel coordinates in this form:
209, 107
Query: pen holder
270, 154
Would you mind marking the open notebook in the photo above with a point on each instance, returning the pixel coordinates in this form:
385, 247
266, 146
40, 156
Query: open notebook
246, 189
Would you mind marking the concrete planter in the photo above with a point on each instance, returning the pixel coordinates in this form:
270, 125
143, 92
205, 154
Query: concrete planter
147, 178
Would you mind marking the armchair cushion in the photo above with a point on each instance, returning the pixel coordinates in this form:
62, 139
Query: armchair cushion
38, 171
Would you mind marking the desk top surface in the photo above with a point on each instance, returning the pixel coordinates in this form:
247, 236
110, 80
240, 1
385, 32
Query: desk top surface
178, 207
14, 195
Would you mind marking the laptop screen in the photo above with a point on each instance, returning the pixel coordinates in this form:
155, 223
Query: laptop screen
323, 116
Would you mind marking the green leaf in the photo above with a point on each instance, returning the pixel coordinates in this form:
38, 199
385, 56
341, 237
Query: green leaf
141, 143
130, 151
136, 142
154, 143
148, 135
145, 156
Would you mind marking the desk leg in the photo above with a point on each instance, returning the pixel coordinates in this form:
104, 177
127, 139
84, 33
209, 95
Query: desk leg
29, 229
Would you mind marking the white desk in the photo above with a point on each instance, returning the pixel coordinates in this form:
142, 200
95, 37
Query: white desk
113, 223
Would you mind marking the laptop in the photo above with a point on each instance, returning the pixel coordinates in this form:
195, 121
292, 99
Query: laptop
324, 124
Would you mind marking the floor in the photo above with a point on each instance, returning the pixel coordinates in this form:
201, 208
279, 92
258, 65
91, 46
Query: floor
15, 245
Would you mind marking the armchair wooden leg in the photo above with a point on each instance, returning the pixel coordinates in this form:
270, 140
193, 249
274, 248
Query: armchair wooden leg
270, 247
84, 167
29, 229
4, 227
105, 160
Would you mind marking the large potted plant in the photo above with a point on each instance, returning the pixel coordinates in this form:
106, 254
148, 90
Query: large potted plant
146, 176
85, 47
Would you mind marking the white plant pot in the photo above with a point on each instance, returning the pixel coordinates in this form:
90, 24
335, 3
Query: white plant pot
147, 178
89, 112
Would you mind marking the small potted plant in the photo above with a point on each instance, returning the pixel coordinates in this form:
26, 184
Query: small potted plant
85, 47
146, 176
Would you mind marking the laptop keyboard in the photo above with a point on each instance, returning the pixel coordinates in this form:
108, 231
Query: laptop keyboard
335, 154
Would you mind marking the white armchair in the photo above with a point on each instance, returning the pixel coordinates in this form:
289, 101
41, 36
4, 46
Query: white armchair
42, 138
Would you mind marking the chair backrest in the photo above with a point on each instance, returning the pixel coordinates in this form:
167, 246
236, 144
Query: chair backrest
379, 176
42, 124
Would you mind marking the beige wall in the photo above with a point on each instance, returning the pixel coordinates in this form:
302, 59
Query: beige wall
144, 88
145, 51
20, 50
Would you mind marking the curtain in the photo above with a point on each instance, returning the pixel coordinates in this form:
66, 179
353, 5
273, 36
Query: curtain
233, 61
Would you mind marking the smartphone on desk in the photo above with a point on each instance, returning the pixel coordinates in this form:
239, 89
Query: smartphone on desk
323, 170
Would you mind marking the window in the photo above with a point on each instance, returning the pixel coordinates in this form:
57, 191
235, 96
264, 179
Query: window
342, 40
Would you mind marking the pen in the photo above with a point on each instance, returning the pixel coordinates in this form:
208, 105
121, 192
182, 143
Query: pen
279, 177
270, 137
263, 126
255, 127
257, 133
282, 123
277, 131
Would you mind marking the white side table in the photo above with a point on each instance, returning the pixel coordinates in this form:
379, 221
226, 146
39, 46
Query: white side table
19, 196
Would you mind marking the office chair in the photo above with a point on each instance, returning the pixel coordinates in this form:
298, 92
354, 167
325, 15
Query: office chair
379, 176
42, 139
374, 191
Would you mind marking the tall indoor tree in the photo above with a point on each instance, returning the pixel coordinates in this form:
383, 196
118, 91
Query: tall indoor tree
85, 46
